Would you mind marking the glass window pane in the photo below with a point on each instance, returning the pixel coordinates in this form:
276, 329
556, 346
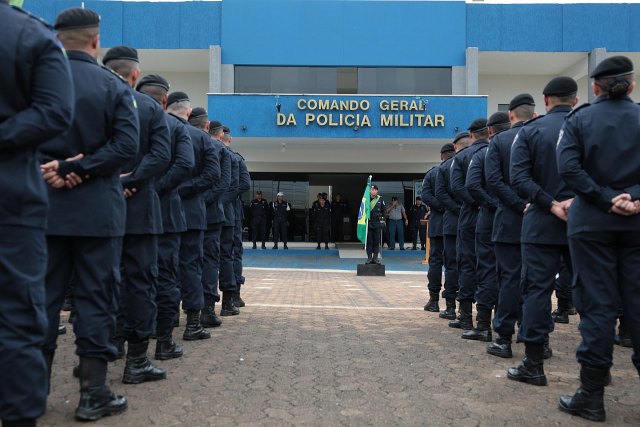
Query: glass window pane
252, 79
404, 81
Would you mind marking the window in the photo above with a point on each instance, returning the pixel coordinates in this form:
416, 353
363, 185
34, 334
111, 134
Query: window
342, 80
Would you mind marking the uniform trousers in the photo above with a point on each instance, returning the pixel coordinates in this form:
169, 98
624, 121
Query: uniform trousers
167, 292
466, 258
607, 272
418, 229
226, 278
373, 241
94, 264
139, 269
211, 264
259, 228
563, 282
509, 272
396, 225
190, 272
436, 261
23, 322
238, 251
487, 292
337, 229
322, 233
280, 231
451, 277
540, 264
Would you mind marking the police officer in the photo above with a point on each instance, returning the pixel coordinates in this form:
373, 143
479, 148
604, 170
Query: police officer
450, 217
227, 280
534, 175
486, 295
87, 208
436, 244
506, 227
139, 264
418, 212
205, 173
244, 184
259, 208
599, 160
32, 111
322, 222
215, 218
173, 219
375, 225
467, 223
281, 210
339, 208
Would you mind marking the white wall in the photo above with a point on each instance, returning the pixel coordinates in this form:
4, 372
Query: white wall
195, 85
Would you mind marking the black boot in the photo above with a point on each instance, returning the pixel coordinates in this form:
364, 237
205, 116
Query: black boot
531, 370
264, 246
588, 402
118, 340
96, 400
208, 318
369, 259
48, 359
138, 368
482, 331
432, 305
166, 348
228, 309
623, 338
547, 352
194, 330
571, 309
375, 259
24, 422
68, 303
326, 246
465, 319
450, 312
561, 314
275, 246
62, 329
285, 246
318, 247
254, 246
176, 319
500, 348
237, 301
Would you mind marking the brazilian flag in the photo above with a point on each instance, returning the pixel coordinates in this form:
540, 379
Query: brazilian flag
363, 213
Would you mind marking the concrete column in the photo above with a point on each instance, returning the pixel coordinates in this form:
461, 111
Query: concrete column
595, 57
458, 81
228, 78
215, 69
471, 68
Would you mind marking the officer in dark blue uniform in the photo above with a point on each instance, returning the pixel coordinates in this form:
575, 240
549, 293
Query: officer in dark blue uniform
418, 212
506, 227
534, 175
244, 185
173, 219
281, 211
322, 222
468, 279
204, 174
563, 295
339, 208
87, 209
259, 208
215, 218
139, 264
599, 160
487, 293
375, 224
451, 204
32, 111
436, 244
228, 283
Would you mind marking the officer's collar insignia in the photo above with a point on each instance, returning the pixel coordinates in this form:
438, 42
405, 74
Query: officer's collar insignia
586, 104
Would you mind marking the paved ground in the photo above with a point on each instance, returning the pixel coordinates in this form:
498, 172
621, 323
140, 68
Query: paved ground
329, 349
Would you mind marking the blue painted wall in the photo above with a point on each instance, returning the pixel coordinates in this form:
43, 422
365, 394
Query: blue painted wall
256, 116
358, 33
343, 33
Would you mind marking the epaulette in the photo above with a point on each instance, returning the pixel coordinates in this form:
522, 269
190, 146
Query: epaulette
534, 119
31, 15
586, 104
240, 155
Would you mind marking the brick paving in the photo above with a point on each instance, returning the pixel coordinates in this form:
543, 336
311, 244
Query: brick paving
333, 349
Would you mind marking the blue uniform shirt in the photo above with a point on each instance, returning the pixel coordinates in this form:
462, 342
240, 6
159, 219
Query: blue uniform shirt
244, 184
215, 210
459, 168
448, 199
476, 185
205, 172
154, 153
598, 157
178, 170
105, 129
229, 198
507, 224
36, 105
534, 175
436, 215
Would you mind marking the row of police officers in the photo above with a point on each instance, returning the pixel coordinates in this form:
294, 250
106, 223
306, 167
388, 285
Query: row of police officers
523, 205
129, 195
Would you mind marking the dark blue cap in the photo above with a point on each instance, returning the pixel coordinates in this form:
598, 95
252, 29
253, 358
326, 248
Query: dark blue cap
76, 18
